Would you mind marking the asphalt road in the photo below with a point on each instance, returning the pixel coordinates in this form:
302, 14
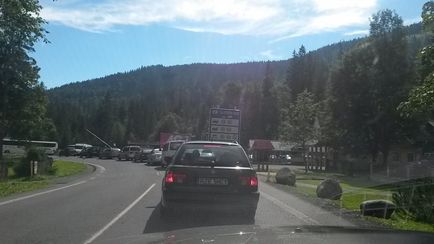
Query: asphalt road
121, 199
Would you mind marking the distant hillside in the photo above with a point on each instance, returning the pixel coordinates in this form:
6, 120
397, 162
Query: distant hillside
138, 104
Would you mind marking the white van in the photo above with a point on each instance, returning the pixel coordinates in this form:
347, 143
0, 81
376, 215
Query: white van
169, 150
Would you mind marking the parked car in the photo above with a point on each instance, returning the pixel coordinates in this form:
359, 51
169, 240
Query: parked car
75, 149
109, 153
169, 150
142, 156
155, 157
210, 175
90, 152
68, 151
128, 152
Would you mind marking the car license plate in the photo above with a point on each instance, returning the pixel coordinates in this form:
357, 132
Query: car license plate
212, 181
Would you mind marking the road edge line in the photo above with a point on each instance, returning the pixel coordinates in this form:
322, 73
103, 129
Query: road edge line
117, 217
291, 210
96, 166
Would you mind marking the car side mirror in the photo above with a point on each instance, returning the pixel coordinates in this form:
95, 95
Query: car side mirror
168, 159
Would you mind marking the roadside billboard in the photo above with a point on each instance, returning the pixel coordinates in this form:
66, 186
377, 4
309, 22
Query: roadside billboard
225, 124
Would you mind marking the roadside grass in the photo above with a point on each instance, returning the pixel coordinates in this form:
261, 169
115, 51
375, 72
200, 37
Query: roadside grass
306, 190
352, 197
401, 223
356, 190
24, 184
20, 185
66, 168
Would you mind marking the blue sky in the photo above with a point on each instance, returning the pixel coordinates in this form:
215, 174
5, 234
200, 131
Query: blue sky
90, 39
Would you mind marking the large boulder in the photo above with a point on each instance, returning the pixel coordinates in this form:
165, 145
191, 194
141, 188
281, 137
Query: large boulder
377, 208
330, 189
285, 176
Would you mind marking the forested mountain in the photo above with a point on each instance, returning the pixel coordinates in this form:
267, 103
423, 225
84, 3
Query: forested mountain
137, 105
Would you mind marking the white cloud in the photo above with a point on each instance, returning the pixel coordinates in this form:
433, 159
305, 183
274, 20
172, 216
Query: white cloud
270, 55
279, 18
356, 32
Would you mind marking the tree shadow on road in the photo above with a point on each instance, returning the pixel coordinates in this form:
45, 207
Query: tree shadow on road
192, 219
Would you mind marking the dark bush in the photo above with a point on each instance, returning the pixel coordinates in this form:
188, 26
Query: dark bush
45, 164
22, 168
416, 198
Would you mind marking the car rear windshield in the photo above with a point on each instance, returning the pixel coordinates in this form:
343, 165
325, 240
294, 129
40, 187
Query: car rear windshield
211, 154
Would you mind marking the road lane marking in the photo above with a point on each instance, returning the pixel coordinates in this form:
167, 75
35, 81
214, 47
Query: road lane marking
41, 193
101, 168
100, 232
158, 173
289, 209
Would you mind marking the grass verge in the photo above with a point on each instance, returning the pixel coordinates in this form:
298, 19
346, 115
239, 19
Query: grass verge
400, 223
353, 196
66, 168
19, 185
354, 193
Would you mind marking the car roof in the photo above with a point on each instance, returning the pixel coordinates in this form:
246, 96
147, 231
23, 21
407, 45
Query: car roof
213, 142
176, 141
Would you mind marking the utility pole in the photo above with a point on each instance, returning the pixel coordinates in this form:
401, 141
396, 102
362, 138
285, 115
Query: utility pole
101, 140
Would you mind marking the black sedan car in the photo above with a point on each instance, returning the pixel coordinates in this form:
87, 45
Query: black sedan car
212, 176
90, 152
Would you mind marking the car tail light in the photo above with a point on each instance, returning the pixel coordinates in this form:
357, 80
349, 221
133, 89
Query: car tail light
173, 177
249, 181
253, 181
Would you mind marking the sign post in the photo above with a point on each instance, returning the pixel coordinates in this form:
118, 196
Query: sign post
225, 124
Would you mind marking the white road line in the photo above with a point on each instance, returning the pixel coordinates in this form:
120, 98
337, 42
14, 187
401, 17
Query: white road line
41, 193
158, 173
100, 232
101, 168
289, 209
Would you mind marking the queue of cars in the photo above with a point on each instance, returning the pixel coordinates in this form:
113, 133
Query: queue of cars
129, 152
151, 156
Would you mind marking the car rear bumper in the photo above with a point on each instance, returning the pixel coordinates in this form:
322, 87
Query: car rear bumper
214, 201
